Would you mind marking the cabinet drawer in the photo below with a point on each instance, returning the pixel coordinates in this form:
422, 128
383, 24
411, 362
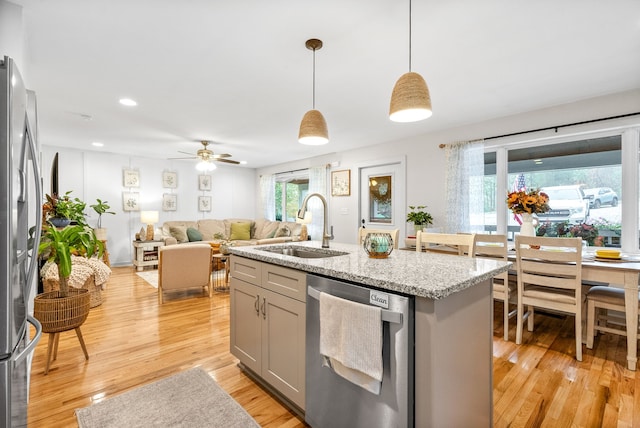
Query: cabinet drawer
288, 282
246, 269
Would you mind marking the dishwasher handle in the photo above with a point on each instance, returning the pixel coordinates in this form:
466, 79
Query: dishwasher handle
387, 315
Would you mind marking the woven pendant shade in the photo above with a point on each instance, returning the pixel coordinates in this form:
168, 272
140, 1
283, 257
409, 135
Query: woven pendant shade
313, 129
410, 100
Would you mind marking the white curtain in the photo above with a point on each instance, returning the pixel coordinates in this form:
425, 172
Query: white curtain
464, 187
268, 196
317, 184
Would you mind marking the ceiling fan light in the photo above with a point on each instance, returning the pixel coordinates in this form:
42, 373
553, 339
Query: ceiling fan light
410, 99
313, 129
205, 166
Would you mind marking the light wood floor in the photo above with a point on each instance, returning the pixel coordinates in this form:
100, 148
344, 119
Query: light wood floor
133, 341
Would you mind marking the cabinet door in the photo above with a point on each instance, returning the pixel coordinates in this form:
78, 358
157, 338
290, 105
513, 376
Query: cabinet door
283, 345
245, 323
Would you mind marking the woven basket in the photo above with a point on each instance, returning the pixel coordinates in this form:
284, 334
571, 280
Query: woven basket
57, 313
90, 284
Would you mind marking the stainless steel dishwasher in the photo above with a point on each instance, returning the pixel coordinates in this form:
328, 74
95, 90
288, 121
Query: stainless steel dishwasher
332, 401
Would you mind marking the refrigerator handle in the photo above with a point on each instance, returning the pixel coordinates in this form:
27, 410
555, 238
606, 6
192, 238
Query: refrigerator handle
33, 342
33, 263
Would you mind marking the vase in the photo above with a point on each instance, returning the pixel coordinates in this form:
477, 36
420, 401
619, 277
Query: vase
417, 227
59, 222
526, 228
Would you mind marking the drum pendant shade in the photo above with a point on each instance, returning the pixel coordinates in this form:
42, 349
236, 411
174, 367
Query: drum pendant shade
313, 129
410, 100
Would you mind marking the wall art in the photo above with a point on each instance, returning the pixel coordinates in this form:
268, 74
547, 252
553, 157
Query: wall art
131, 201
169, 202
341, 183
130, 178
169, 180
204, 182
204, 203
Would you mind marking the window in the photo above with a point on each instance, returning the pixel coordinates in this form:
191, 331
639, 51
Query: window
583, 179
290, 191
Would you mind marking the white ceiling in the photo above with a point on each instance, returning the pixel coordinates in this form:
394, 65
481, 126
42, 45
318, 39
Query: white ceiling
237, 71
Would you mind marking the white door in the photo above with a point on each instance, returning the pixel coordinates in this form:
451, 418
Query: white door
383, 196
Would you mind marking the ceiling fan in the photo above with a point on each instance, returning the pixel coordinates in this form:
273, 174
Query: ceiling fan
206, 155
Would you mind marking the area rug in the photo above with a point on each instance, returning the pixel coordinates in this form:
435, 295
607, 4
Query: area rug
151, 276
188, 399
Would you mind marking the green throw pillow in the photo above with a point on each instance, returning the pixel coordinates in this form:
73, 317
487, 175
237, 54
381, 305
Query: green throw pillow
179, 233
194, 234
272, 234
240, 231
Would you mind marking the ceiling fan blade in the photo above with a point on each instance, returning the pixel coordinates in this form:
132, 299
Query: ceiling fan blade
223, 155
192, 157
227, 161
186, 153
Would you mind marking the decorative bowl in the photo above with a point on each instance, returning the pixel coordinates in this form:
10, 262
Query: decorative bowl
378, 245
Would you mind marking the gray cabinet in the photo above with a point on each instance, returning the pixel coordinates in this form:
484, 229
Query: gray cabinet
268, 314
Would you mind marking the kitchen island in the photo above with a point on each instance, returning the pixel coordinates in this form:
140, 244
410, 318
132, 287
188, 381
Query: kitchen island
452, 353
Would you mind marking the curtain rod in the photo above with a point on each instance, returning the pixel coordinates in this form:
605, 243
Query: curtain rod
584, 122
292, 171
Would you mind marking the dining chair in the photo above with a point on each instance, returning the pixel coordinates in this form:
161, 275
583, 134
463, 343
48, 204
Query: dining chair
364, 231
464, 243
495, 247
184, 266
606, 312
549, 277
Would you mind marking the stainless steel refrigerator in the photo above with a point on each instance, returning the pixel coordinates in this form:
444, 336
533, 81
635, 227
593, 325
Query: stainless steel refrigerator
20, 205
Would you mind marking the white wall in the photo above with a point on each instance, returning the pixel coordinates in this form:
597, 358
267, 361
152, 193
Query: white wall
11, 35
426, 161
91, 175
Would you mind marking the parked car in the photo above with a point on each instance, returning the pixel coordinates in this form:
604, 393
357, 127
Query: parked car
567, 203
599, 196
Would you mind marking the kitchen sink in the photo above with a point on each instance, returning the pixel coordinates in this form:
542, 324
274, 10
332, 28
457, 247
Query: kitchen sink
304, 252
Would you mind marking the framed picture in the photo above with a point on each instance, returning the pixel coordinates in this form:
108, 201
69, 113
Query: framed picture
204, 182
169, 202
204, 203
130, 201
169, 180
131, 178
341, 183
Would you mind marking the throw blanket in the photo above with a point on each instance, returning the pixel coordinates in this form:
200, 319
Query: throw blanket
81, 269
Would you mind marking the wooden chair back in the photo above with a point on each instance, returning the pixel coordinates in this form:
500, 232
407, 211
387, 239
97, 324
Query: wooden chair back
462, 242
364, 231
550, 276
495, 247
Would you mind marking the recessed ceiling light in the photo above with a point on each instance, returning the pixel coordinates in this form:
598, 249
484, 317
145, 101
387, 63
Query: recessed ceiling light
128, 102
97, 144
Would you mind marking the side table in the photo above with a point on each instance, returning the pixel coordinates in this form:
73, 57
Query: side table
221, 276
145, 253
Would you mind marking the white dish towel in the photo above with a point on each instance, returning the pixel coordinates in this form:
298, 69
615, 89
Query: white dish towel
351, 337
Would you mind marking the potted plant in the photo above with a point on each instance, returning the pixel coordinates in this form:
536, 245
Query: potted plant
419, 217
62, 210
65, 309
101, 207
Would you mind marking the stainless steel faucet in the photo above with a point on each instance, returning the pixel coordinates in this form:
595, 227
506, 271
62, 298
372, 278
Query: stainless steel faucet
326, 236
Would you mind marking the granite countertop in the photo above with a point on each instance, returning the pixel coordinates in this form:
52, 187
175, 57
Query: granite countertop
430, 275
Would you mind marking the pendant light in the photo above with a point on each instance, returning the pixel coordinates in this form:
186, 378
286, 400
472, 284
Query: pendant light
313, 128
410, 100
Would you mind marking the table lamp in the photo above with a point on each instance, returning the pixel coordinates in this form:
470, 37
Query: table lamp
149, 218
304, 222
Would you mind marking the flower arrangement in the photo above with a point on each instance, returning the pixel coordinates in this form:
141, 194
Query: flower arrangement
64, 207
588, 232
532, 202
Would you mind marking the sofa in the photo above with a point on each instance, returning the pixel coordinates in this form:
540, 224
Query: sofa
238, 231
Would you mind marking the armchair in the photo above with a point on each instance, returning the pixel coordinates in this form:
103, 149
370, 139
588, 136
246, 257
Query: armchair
184, 266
